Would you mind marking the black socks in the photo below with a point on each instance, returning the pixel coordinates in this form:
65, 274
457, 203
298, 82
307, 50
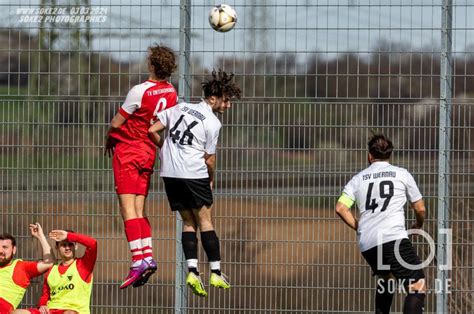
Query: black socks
189, 242
210, 243
383, 297
414, 303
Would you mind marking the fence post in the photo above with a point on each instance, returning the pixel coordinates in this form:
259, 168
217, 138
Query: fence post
184, 95
445, 109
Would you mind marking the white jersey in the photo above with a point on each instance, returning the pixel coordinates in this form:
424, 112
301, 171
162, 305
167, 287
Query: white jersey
193, 130
381, 192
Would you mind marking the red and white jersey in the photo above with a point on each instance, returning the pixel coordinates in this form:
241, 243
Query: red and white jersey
140, 108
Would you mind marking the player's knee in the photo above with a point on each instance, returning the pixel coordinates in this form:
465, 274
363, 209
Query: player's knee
418, 286
189, 223
205, 225
128, 214
205, 221
189, 227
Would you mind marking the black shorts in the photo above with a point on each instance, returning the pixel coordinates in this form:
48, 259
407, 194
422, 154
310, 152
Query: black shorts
407, 253
187, 194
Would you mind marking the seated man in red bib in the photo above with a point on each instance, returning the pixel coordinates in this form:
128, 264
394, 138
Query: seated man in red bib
15, 274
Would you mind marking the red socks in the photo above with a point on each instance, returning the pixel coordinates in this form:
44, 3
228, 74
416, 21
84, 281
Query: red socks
132, 231
138, 233
145, 229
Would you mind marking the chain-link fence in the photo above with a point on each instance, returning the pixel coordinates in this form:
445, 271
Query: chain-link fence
317, 78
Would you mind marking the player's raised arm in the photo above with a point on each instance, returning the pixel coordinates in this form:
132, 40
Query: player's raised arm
48, 256
87, 262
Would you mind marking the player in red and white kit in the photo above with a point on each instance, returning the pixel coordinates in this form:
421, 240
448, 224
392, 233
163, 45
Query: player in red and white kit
134, 157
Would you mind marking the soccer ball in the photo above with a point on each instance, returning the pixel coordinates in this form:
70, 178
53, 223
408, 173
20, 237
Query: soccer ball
222, 18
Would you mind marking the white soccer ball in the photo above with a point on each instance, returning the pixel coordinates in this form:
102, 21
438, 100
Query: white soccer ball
222, 18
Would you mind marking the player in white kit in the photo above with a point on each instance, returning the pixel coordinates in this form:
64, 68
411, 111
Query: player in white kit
188, 159
380, 192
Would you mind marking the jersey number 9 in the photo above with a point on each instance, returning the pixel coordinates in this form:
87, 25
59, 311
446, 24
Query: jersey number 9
371, 203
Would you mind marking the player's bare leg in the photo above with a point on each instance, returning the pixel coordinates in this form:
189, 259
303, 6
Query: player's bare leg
140, 205
204, 218
419, 286
415, 299
127, 206
190, 223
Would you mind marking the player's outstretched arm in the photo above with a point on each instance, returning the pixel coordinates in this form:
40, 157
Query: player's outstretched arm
346, 215
153, 133
48, 256
420, 212
211, 167
115, 124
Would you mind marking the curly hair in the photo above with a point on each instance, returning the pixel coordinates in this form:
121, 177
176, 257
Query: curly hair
380, 147
163, 60
221, 84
